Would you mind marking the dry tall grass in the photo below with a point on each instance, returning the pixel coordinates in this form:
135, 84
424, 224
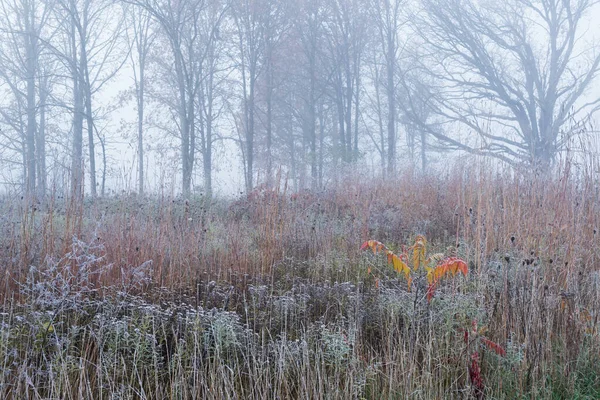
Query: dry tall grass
268, 296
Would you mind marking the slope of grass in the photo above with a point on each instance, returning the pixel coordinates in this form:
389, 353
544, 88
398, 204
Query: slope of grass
269, 296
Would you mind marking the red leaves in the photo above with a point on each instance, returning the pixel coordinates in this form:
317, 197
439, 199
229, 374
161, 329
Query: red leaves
450, 266
430, 291
373, 245
475, 376
455, 265
474, 368
418, 257
437, 269
494, 346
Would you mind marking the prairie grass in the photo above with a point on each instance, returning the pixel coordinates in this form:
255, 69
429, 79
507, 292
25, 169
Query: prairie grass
269, 296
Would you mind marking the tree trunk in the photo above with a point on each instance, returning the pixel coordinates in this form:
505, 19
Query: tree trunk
192, 147
312, 121
90, 122
86, 90
183, 123
41, 139
140, 138
341, 120
348, 112
31, 65
356, 107
269, 121
31, 120
104, 164
321, 142
423, 151
208, 166
391, 97
77, 149
292, 146
250, 135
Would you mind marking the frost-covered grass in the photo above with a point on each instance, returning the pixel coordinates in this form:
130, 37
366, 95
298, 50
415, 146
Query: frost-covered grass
269, 297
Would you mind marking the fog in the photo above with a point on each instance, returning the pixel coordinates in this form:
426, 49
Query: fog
219, 97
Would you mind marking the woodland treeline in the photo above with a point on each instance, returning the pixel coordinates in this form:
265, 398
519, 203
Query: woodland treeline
304, 86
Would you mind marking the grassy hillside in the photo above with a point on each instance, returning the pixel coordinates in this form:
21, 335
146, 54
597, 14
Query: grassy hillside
271, 297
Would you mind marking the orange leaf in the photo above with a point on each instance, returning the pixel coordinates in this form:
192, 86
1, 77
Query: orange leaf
373, 245
439, 272
459, 265
390, 256
452, 265
419, 249
494, 346
429, 275
399, 265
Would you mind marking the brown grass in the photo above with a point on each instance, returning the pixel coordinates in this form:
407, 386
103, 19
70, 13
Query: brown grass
532, 244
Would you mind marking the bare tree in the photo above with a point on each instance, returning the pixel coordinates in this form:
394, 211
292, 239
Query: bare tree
309, 29
45, 82
190, 28
275, 28
91, 53
374, 108
13, 151
388, 20
511, 72
23, 22
214, 75
141, 38
416, 113
346, 37
249, 20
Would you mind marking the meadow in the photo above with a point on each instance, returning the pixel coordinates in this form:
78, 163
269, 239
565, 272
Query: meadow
270, 296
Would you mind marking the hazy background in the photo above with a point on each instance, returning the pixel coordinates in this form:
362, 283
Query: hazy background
411, 84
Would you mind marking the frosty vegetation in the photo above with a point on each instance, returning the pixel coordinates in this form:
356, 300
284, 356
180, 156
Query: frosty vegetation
418, 213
